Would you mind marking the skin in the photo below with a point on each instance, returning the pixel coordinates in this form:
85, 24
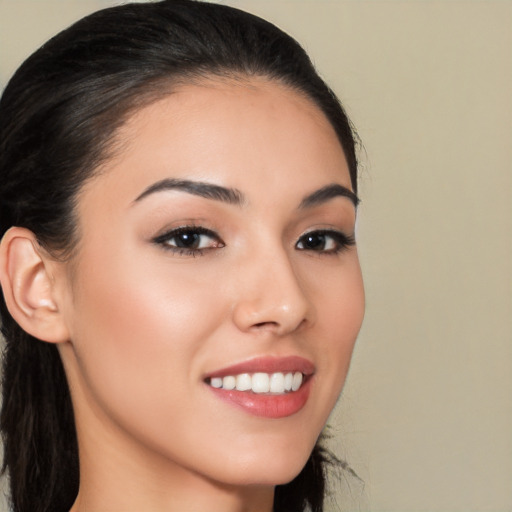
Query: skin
146, 323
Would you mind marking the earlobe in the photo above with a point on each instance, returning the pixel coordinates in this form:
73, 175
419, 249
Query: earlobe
28, 286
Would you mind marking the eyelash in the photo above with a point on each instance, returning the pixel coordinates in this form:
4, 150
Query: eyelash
165, 238
340, 240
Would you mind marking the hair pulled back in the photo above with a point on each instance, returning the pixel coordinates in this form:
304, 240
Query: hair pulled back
58, 117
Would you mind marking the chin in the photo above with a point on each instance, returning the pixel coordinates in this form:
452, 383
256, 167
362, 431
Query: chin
269, 476
284, 474
269, 468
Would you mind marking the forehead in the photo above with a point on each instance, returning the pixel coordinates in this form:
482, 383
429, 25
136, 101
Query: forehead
244, 134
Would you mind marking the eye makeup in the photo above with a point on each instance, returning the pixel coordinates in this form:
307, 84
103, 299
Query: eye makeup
325, 241
189, 240
193, 240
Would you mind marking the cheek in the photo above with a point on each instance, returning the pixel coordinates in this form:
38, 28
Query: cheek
139, 330
139, 303
340, 307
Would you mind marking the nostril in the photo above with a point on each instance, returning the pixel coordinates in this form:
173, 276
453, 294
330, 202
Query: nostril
276, 326
265, 324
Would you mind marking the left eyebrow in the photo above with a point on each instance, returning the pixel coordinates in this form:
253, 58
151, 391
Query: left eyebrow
326, 193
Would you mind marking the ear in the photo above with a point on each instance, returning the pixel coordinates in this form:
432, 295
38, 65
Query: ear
28, 285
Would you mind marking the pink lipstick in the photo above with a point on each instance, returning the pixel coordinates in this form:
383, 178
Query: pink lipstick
269, 387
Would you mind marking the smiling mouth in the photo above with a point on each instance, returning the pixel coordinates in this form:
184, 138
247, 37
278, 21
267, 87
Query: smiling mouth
278, 383
268, 387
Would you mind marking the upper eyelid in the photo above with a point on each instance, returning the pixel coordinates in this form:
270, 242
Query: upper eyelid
163, 240
327, 231
167, 232
340, 236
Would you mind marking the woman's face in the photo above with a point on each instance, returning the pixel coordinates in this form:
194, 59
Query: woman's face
216, 250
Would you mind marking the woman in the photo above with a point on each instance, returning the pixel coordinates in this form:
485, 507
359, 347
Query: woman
181, 286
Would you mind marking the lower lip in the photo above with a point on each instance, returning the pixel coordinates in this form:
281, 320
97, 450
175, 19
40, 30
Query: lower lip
267, 406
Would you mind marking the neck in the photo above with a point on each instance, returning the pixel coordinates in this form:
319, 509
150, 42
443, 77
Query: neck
113, 479
136, 497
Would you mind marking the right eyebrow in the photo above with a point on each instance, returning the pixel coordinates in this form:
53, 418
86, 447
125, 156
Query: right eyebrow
197, 188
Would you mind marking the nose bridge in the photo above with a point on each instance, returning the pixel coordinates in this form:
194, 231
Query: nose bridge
271, 296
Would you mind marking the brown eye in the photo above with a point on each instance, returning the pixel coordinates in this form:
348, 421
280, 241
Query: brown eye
189, 240
327, 241
315, 242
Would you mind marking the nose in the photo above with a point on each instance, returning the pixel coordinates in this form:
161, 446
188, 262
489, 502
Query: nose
270, 296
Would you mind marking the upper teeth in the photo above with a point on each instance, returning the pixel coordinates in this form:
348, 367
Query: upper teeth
259, 382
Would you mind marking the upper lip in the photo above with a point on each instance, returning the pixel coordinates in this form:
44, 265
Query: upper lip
267, 365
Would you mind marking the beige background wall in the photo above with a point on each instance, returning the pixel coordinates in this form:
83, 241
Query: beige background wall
426, 416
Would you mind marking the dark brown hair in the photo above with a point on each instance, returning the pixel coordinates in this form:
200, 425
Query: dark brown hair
58, 116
